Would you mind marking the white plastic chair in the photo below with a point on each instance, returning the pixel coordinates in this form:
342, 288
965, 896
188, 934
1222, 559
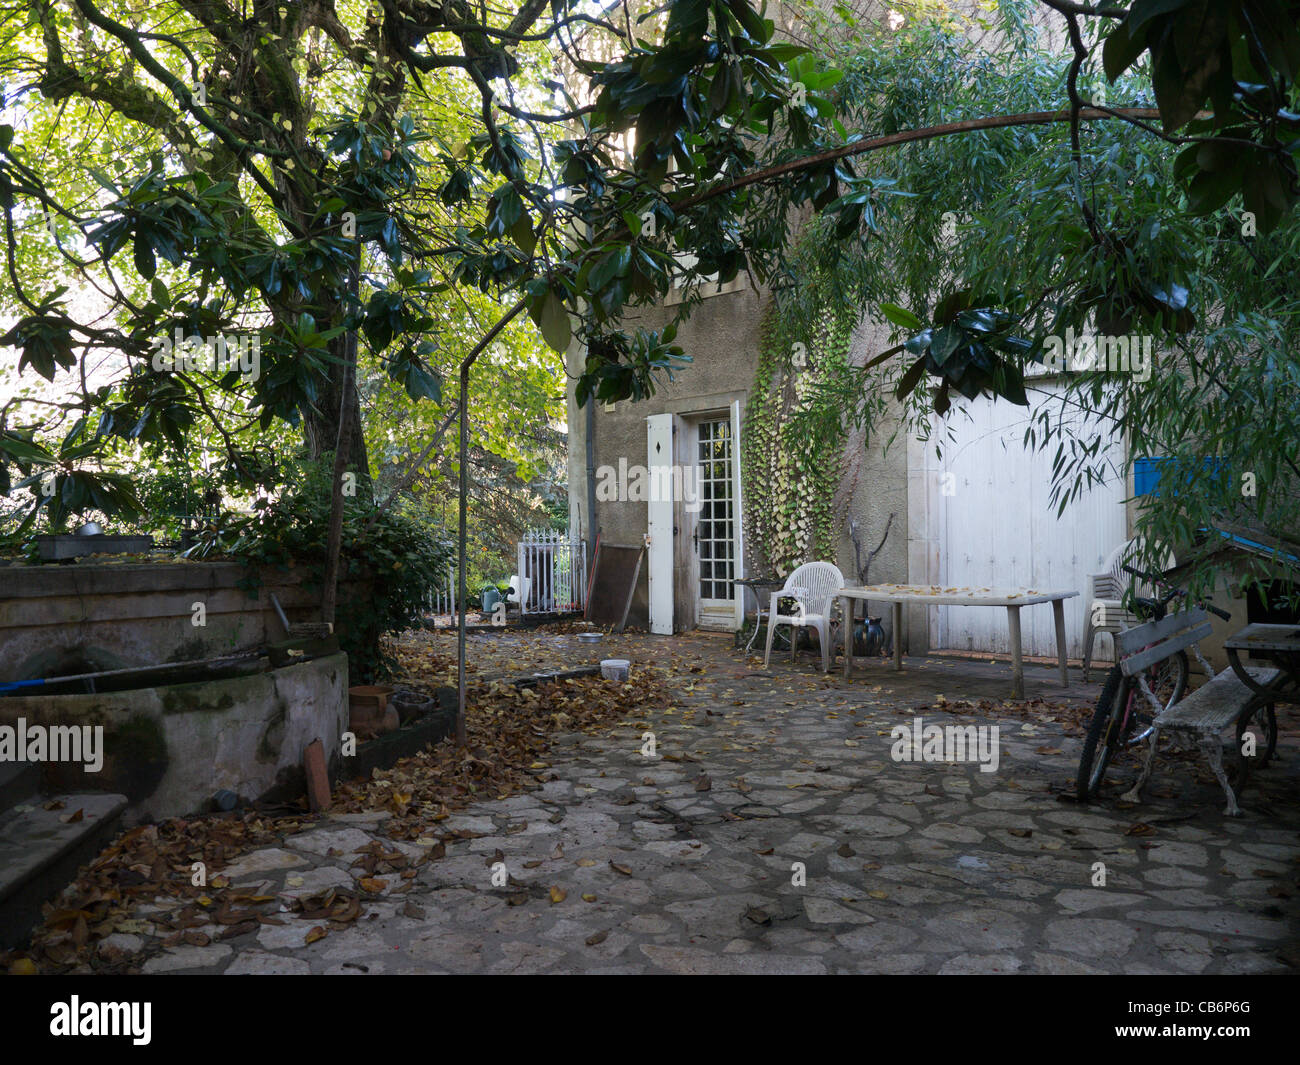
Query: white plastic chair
1106, 589
813, 586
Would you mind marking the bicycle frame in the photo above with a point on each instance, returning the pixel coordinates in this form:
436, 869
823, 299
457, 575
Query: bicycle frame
1158, 610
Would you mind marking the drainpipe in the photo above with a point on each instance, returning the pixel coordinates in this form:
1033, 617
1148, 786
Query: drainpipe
591, 483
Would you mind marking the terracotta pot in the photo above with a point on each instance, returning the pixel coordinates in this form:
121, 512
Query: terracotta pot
367, 705
374, 696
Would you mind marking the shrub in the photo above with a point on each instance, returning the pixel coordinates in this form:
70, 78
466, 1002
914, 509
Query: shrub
401, 554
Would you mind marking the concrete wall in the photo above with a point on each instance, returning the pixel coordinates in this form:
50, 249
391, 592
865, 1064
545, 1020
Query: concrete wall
170, 749
137, 615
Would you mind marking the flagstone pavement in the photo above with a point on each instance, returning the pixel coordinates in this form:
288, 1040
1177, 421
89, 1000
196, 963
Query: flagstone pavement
688, 861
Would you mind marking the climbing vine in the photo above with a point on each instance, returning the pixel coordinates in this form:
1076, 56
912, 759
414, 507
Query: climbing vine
793, 454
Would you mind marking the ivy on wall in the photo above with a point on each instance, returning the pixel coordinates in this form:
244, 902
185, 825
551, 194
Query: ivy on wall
792, 454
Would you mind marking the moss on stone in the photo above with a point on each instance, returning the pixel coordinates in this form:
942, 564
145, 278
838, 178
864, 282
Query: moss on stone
197, 698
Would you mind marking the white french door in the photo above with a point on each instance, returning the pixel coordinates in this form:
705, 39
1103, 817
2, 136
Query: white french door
716, 539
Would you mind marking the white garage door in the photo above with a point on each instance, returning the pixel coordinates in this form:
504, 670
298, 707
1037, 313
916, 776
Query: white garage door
998, 528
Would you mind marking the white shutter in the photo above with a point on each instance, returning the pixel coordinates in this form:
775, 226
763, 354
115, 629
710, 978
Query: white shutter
659, 531
739, 515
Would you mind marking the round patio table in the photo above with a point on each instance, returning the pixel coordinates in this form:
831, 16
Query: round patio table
1280, 644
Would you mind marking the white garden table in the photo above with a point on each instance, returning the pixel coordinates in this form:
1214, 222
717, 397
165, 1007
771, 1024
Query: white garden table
935, 595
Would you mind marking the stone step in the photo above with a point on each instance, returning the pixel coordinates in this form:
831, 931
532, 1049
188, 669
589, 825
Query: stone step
19, 782
40, 853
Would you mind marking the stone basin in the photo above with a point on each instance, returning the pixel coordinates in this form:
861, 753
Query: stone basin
170, 749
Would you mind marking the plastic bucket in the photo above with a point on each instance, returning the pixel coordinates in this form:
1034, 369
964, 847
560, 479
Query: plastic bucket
617, 669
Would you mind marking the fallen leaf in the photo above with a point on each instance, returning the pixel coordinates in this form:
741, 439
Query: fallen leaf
597, 937
319, 932
558, 894
241, 929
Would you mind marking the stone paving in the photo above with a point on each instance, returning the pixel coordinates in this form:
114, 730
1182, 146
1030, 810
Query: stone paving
686, 862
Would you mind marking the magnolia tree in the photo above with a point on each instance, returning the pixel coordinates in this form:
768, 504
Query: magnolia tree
322, 177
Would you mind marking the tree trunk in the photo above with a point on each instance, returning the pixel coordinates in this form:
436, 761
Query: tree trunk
321, 425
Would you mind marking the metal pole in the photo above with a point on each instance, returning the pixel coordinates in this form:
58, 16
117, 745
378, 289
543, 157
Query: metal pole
464, 509
468, 361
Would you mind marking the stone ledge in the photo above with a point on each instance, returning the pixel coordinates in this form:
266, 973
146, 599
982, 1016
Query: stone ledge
40, 853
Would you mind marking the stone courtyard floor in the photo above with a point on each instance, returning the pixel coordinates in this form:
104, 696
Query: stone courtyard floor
685, 862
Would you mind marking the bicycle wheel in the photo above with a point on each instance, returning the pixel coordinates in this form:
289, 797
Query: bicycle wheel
1168, 679
1110, 722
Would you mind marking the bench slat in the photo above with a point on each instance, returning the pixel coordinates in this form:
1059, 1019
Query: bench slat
1136, 663
1215, 705
1139, 636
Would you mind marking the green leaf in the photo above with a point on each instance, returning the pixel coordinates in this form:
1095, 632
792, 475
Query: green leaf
944, 342
160, 294
554, 322
612, 264
144, 257
901, 316
910, 379
1121, 50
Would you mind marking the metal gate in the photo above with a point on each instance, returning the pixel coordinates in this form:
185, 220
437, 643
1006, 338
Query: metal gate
554, 565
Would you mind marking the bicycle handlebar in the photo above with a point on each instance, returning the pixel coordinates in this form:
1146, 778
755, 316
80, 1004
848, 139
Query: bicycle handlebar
1156, 578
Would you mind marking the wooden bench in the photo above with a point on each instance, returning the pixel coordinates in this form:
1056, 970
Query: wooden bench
1205, 713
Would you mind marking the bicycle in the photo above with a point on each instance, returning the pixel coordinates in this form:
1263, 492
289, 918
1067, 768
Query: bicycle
1118, 715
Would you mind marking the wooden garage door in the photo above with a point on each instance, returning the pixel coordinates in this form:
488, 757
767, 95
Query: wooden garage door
997, 527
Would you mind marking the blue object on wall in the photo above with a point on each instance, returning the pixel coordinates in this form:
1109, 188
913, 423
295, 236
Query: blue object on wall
1146, 476
1146, 473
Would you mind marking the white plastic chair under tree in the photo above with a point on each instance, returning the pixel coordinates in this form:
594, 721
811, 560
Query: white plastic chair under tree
813, 586
1106, 597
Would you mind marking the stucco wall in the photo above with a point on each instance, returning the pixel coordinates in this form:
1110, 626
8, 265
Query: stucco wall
722, 337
